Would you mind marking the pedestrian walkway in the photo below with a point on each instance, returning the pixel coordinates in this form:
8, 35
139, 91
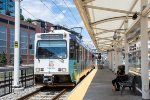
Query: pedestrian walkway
101, 88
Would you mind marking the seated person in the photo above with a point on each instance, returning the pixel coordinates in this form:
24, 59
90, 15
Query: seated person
119, 76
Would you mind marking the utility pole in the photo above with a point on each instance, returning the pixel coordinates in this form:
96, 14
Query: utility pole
17, 44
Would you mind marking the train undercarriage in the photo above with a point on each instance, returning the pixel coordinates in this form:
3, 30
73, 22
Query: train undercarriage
54, 80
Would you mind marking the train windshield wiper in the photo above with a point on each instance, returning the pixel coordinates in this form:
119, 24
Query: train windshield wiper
59, 58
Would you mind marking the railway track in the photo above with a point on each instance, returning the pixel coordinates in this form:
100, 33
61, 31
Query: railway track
46, 93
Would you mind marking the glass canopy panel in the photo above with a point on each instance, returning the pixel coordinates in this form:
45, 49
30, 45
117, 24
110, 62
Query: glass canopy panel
111, 25
114, 4
110, 34
97, 15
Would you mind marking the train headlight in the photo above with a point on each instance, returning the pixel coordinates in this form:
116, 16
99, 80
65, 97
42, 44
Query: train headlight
63, 69
42, 69
37, 69
59, 69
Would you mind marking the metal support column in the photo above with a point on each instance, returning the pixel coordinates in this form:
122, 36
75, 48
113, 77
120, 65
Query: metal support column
111, 60
116, 61
126, 49
144, 53
95, 63
17, 44
120, 54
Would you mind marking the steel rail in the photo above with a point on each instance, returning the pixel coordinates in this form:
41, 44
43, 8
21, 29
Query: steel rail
31, 94
59, 95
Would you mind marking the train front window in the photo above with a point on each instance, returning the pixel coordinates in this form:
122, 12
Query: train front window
51, 49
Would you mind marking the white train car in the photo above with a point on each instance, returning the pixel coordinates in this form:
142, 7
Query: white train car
60, 58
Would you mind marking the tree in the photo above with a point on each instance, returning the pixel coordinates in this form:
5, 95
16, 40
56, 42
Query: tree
21, 17
3, 59
29, 20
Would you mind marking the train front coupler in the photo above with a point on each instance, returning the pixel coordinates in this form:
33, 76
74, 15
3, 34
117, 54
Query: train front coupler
48, 79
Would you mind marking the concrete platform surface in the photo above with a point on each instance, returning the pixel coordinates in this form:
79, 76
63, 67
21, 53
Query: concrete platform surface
101, 88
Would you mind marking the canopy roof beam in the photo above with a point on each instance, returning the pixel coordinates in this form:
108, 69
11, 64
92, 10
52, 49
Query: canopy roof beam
104, 45
104, 39
105, 42
101, 33
146, 11
86, 1
106, 30
109, 19
109, 9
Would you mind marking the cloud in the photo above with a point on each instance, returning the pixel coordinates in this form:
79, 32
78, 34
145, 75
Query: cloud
62, 3
41, 12
52, 15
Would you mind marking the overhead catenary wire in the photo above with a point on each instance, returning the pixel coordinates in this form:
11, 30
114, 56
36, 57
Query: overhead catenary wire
62, 12
66, 17
49, 9
70, 11
28, 12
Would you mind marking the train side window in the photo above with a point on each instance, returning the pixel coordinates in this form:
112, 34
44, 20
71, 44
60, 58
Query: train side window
77, 54
72, 49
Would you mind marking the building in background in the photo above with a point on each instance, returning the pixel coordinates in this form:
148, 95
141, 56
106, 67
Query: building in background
27, 31
7, 7
7, 31
44, 26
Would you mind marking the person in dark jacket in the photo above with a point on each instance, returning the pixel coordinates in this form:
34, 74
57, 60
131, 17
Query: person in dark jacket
119, 77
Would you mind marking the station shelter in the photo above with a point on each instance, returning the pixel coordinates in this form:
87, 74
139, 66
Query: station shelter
121, 28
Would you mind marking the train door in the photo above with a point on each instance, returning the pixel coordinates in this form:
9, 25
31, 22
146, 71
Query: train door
85, 62
78, 59
73, 60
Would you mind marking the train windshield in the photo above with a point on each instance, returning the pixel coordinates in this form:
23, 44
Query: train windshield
51, 49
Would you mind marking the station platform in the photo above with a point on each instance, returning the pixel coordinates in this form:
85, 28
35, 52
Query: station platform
101, 88
97, 86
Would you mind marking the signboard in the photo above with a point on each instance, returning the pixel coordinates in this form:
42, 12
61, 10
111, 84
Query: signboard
52, 36
16, 44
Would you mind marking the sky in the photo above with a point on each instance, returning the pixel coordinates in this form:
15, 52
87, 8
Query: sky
62, 12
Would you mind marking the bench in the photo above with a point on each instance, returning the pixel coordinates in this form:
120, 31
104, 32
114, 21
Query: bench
130, 82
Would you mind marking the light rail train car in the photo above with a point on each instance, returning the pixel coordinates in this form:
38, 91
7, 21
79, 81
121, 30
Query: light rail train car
60, 58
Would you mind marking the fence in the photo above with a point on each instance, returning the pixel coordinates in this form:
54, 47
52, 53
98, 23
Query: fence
6, 79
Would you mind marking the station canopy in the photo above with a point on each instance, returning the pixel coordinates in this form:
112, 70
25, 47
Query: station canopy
105, 20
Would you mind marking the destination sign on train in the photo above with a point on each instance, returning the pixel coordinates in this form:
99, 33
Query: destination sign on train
52, 36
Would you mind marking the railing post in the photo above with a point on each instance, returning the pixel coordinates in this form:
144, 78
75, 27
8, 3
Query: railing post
33, 77
5, 82
9, 83
25, 78
22, 77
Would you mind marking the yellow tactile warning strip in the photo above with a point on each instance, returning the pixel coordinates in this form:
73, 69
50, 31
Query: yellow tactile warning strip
79, 92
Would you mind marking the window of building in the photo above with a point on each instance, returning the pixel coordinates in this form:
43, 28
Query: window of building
3, 39
12, 32
32, 37
23, 42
